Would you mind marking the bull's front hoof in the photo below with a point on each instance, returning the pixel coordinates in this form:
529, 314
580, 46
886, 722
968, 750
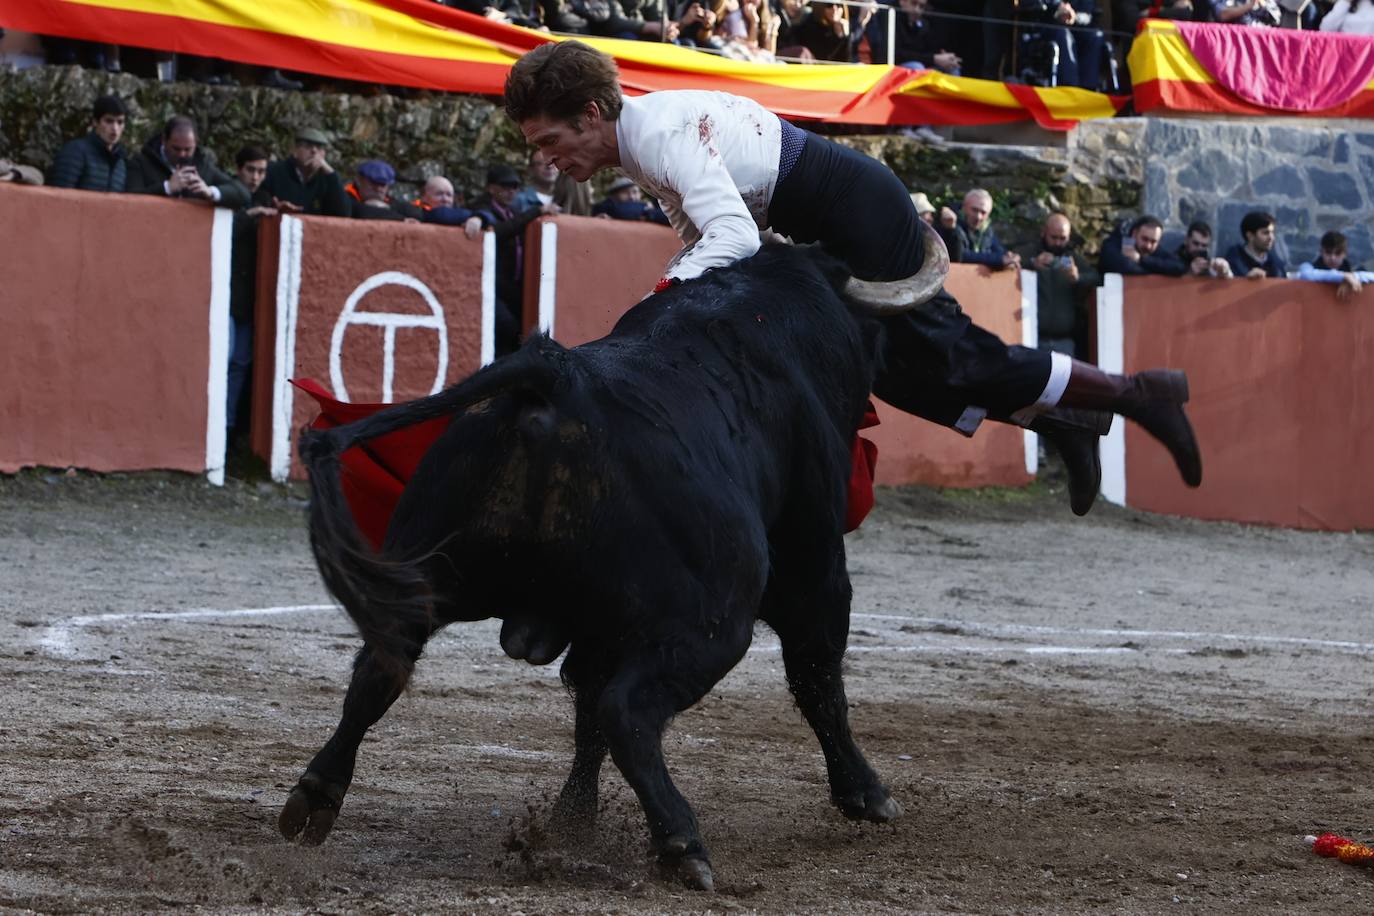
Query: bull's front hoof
692, 871
310, 810
874, 805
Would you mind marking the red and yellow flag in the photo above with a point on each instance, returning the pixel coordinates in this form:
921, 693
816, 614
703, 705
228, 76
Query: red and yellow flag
1229, 70
423, 44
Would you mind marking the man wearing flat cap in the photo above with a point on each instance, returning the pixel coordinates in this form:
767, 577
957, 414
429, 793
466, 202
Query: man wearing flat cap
497, 206
370, 194
306, 182
625, 201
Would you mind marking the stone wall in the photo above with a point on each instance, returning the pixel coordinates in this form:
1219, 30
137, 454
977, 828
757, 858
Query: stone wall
440, 133
460, 136
1312, 176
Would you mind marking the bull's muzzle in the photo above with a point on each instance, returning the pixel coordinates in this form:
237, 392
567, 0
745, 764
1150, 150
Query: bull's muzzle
893, 296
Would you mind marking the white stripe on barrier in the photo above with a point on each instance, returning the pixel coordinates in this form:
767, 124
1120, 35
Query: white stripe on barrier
548, 275
288, 299
217, 386
1030, 337
1111, 344
488, 298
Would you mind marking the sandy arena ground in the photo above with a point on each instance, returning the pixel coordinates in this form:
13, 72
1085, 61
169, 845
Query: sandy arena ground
1125, 713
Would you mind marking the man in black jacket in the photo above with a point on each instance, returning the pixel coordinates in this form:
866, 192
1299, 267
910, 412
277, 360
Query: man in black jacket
175, 165
1136, 251
497, 207
917, 43
1063, 279
306, 182
251, 164
95, 162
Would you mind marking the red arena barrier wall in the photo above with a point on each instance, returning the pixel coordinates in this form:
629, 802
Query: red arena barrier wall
114, 324
1279, 372
582, 274
375, 311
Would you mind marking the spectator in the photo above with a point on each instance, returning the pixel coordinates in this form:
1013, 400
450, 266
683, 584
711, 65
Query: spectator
95, 162
1069, 27
1332, 266
1195, 253
1063, 278
1255, 258
370, 194
250, 171
924, 208
917, 44
696, 25
750, 30
439, 204
1136, 251
508, 225
625, 201
973, 227
997, 37
306, 183
548, 185
512, 12
791, 16
541, 176
1353, 17
630, 19
173, 164
557, 16
926, 211
19, 174
437, 192
1264, 13
828, 32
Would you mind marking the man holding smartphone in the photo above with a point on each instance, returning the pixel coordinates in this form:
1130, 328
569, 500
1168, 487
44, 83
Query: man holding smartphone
173, 164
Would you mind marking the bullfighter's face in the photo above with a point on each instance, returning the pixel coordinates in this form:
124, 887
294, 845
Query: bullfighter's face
580, 147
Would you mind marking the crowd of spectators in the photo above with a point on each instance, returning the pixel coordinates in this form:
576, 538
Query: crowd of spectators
172, 163
1063, 42
1065, 276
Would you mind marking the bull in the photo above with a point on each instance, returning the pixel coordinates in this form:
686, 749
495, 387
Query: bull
641, 501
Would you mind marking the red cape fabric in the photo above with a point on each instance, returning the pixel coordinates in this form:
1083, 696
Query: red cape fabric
375, 474
1283, 69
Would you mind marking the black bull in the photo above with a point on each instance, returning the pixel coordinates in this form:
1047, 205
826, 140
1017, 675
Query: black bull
644, 499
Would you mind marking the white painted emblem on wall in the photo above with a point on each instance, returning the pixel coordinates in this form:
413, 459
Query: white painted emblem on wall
389, 322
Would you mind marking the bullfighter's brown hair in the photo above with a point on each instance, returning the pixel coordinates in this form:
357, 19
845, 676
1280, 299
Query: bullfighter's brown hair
558, 79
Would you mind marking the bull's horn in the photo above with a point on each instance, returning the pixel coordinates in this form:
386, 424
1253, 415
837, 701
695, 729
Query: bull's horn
894, 296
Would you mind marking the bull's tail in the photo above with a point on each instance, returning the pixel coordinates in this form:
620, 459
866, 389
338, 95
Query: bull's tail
390, 599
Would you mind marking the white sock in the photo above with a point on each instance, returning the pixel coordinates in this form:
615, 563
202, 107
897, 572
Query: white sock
1060, 367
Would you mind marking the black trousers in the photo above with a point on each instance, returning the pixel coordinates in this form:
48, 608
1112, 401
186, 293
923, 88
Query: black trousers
936, 362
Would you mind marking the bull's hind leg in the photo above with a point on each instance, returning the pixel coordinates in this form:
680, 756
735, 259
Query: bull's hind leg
633, 711
576, 805
807, 604
314, 803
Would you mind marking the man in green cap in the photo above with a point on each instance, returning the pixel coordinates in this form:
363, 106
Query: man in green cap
306, 182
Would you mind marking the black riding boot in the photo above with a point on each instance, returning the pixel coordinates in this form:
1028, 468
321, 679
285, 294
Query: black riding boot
1074, 435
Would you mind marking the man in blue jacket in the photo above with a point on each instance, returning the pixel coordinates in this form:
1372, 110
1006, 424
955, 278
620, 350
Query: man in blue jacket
974, 228
95, 162
1256, 258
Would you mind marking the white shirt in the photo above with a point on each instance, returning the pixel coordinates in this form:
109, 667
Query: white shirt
1310, 271
711, 160
1341, 19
